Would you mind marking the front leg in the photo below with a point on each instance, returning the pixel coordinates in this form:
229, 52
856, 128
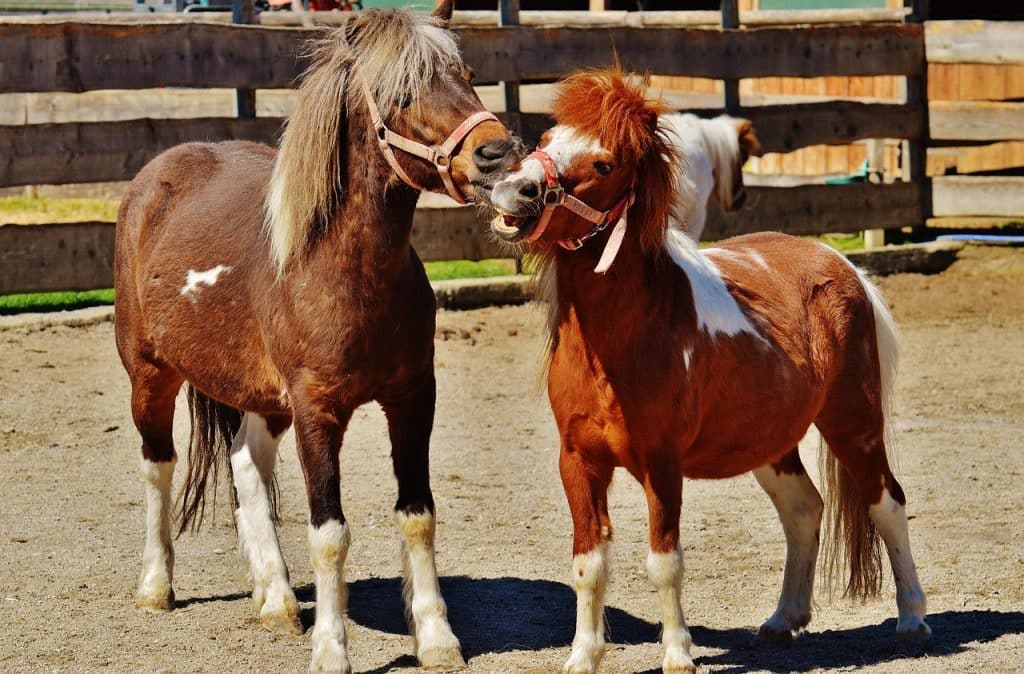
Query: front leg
586, 488
410, 422
664, 489
319, 434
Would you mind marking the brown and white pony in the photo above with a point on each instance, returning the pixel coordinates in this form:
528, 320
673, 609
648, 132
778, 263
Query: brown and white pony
713, 153
281, 286
705, 364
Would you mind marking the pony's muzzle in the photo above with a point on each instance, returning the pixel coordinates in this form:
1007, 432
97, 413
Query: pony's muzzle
495, 155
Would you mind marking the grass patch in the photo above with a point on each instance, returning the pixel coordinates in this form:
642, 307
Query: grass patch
56, 301
44, 210
451, 269
65, 301
844, 243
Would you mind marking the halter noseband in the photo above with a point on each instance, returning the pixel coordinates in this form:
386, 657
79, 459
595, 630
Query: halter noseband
555, 196
440, 155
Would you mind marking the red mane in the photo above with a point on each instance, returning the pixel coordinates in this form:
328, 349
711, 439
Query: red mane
607, 105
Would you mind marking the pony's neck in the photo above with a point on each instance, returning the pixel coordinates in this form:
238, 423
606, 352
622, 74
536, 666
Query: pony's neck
369, 234
612, 311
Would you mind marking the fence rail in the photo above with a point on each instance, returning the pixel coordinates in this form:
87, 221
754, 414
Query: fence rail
122, 53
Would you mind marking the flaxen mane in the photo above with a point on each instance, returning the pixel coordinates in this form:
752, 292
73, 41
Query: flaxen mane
397, 53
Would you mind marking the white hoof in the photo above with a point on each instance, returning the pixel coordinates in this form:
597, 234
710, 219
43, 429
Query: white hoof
914, 629
584, 660
329, 657
155, 597
678, 661
437, 647
280, 613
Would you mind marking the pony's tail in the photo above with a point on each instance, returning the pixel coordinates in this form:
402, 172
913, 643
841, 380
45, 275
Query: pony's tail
214, 426
851, 540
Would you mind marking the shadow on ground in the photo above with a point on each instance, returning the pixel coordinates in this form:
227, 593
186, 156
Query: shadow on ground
495, 615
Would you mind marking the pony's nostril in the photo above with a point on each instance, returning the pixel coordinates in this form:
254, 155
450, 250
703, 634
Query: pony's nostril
529, 189
489, 156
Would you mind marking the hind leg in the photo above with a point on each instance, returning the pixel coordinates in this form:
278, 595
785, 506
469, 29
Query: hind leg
153, 390
410, 422
253, 455
799, 506
863, 457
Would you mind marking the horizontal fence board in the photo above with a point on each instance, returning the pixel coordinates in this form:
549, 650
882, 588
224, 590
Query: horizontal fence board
806, 51
79, 57
784, 128
976, 120
43, 154
821, 209
41, 258
74, 56
977, 195
79, 256
975, 42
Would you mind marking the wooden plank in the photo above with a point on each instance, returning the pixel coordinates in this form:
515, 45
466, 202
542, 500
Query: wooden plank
40, 258
981, 195
813, 51
975, 41
965, 120
40, 154
82, 56
821, 209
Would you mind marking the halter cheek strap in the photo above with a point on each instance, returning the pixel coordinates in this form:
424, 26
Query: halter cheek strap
440, 156
555, 196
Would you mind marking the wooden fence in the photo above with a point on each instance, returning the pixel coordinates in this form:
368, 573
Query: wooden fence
79, 56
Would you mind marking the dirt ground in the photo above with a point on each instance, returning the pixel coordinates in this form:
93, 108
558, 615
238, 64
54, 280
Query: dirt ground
71, 515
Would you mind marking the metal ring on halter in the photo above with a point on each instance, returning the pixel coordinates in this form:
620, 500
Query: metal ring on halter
440, 156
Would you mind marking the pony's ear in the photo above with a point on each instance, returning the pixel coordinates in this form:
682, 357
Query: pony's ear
750, 146
443, 10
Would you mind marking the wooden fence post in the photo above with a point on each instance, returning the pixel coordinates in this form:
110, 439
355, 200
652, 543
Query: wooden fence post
915, 159
243, 12
730, 20
508, 15
875, 238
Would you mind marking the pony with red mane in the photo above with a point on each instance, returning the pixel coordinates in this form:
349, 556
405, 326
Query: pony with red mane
670, 361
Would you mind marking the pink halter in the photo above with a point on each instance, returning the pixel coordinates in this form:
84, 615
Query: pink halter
440, 156
555, 196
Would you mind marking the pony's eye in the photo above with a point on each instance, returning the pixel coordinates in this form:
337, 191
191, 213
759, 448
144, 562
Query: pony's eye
602, 167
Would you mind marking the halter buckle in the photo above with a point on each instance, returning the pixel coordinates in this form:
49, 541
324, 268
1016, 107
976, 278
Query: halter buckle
554, 195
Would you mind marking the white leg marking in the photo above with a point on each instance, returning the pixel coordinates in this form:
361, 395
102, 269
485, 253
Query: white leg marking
328, 547
890, 519
193, 279
590, 576
665, 570
799, 506
253, 454
436, 645
155, 591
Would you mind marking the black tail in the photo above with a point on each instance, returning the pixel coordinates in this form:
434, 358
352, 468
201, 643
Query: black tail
214, 426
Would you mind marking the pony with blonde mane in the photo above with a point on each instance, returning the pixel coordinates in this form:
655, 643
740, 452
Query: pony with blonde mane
674, 362
281, 286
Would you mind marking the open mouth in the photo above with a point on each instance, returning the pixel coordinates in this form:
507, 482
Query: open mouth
513, 228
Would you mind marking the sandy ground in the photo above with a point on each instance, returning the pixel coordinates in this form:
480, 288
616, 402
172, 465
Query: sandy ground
71, 517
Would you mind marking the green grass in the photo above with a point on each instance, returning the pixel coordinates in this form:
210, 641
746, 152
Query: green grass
844, 243
42, 210
56, 301
443, 271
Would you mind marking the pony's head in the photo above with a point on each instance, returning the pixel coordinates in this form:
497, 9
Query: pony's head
607, 143
729, 143
408, 66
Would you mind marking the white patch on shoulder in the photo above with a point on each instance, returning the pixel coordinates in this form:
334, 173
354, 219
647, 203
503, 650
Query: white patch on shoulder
717, 310
196, 278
